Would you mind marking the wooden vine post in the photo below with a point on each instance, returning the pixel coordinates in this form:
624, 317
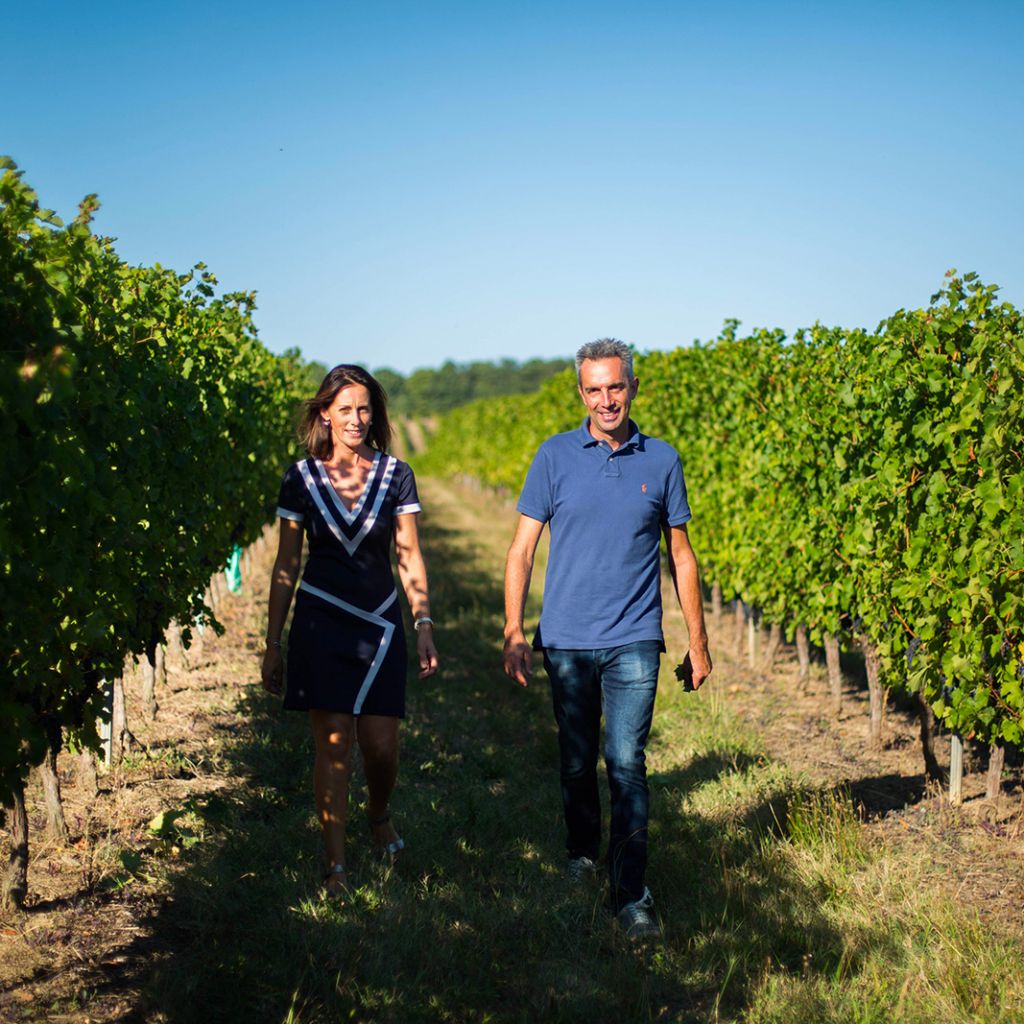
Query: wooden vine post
47, 771
876, 692
174, 645
772, 648
996, 761
932, 767
154, 672
86, 775
835, 673
114, 726
752, 639
739, 622
803, 653
16, 888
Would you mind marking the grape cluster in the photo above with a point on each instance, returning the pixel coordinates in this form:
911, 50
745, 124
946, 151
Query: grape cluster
915, 643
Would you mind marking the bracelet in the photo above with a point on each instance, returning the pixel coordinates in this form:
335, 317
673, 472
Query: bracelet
423, 620
271, 642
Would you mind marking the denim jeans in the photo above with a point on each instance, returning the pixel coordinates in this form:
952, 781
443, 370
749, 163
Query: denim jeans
626, 678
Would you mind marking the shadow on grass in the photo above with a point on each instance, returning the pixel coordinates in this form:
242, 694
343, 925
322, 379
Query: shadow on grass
706, 767
876, 796
476, 921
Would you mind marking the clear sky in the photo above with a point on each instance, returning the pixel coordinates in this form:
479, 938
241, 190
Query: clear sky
404, 183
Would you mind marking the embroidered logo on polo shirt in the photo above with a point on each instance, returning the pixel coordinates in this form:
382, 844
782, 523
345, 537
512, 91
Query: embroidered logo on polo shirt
643, 487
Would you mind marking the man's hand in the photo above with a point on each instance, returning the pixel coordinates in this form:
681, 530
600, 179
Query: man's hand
696, 667
518, 659
517, 656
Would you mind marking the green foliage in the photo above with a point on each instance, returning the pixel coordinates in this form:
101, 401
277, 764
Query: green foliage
144, 433
493, 439
855, 483
306, 374
433, 392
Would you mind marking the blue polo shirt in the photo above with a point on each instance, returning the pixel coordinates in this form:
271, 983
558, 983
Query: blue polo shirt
606, 511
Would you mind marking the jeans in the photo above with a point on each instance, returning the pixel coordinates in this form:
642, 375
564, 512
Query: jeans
626, 678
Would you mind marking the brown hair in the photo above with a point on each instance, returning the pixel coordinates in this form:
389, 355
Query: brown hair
317, 438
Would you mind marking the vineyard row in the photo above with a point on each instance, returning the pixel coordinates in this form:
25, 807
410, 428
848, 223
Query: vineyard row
145, 430
854, 487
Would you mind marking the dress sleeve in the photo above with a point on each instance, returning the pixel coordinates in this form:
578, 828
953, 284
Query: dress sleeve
291, 502
406, 498
677, 507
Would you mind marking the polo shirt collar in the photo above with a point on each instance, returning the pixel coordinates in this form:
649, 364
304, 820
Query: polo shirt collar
587, 440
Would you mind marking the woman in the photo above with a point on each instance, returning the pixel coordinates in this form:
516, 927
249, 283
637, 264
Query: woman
346, 647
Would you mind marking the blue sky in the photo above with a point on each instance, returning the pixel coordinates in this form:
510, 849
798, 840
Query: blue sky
404, 183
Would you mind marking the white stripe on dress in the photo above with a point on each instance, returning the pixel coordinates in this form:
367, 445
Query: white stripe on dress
284, 513
405, 509
350, 545
349, 517
375, 618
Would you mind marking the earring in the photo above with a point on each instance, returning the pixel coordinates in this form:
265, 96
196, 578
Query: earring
326, 424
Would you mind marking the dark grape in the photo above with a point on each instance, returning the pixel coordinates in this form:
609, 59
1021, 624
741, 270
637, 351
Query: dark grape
912, 647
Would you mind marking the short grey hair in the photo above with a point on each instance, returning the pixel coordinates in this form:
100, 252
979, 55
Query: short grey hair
605, 348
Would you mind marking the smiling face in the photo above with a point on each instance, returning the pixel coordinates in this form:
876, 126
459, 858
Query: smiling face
350, 414
607, 393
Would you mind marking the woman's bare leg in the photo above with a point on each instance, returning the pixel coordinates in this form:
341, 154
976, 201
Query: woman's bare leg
377, 736
332, 734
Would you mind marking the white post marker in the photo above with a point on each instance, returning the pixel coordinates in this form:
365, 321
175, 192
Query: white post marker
956, 770
106, 730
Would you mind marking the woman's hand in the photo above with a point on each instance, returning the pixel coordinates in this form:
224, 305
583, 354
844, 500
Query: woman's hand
273, 671
426, 651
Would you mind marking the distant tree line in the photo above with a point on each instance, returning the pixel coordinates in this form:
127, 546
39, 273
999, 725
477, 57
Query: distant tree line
430, 392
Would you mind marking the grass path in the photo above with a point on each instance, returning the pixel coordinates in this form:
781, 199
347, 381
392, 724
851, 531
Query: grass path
779, 905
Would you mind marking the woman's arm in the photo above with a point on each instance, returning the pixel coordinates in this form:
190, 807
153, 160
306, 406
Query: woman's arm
412, 571
282, 586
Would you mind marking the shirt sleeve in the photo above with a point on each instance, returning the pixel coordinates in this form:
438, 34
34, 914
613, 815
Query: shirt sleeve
406, 498
677, 507
291, 501
536, 499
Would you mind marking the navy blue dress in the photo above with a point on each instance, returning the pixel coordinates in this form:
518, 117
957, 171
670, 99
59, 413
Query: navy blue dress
346, 646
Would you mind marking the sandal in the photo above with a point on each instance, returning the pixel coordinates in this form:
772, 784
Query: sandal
335, 872
396, 845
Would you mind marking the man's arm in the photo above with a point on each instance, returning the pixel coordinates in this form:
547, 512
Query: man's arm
682, 563
517, 656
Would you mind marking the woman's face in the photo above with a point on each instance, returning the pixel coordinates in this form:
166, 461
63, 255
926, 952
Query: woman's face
350, 415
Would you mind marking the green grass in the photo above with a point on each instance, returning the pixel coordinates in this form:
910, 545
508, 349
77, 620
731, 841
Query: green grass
776, 907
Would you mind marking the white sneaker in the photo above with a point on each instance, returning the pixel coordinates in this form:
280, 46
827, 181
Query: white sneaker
637, 919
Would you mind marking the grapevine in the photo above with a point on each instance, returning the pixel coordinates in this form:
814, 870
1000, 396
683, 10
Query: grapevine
861, 484
145, 429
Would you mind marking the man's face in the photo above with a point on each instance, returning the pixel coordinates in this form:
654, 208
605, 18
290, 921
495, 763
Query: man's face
607, 393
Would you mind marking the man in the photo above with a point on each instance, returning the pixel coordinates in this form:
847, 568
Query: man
607, 492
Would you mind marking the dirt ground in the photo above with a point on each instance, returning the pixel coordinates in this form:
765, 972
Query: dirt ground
85, 944
83, 947
977, 847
